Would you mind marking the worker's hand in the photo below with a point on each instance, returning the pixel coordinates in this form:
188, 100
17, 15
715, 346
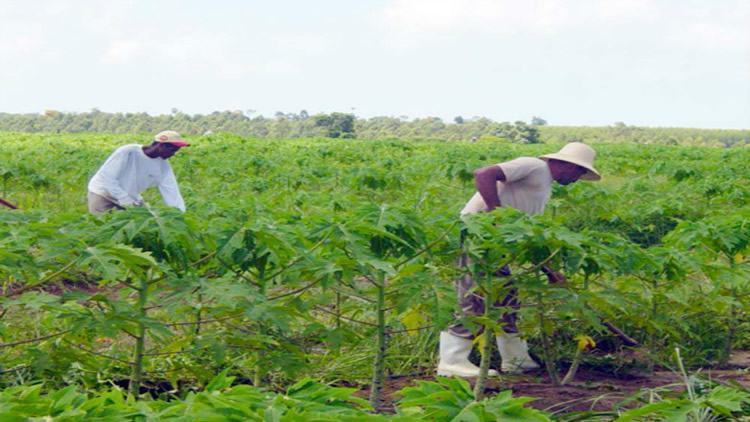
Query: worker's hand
131, 202
553, 276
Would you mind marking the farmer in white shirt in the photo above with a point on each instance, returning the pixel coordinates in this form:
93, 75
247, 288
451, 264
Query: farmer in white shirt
131, 169
525, 184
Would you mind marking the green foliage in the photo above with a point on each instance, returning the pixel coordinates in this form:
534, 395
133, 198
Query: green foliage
451, 399
306, 400
302, 258
713, 404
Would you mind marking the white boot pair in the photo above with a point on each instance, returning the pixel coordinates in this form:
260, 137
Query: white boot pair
454, 356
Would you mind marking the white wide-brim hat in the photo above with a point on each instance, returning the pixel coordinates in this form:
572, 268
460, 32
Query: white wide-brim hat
579, 154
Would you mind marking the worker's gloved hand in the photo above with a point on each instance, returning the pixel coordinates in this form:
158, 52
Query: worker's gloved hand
553, 276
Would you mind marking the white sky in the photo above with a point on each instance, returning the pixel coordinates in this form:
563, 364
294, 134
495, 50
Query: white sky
573, 62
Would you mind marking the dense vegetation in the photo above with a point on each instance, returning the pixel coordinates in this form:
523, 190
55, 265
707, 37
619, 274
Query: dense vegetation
306, 263
344, 125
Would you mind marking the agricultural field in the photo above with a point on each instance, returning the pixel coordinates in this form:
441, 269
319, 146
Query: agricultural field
309, 279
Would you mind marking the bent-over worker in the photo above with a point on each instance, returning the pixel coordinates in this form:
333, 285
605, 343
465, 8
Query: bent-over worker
133, 168
525, 184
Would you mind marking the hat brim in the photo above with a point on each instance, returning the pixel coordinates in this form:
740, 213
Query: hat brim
176, 143
591, 174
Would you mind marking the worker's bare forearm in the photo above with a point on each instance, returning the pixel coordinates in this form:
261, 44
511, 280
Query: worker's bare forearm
486, 179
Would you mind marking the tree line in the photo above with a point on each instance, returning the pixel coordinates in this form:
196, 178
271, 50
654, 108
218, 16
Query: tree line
346, 125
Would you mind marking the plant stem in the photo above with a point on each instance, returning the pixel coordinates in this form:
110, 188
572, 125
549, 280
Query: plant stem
137, 375
586, 283
731, 329
378, 373
549, 362
258, 370
32, 340
652, 331
685, 379
489, 340
573, 368
257, 373
199, 315
338, 310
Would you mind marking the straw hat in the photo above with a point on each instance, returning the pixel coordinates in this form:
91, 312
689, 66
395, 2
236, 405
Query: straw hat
578, 154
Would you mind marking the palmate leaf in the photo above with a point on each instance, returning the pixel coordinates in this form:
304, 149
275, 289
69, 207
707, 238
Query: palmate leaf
225, 291
504, 406
370, 264
260, 245
452, 399
31, 300
162, 231
220, 381
726, 400
14, 260
666, 409
391, 231
442, 399
311, 391
233, 243
414, 318
115, 261
107, 323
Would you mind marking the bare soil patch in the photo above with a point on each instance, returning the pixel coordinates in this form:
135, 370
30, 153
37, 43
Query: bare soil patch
592, 390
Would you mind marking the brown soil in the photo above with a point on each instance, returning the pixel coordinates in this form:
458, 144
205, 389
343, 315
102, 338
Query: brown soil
740, 359
57, 288
591, 389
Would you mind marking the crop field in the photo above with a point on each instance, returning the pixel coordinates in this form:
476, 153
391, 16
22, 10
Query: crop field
309, 280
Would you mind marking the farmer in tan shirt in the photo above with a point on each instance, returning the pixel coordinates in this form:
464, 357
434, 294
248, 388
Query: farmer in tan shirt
526, 185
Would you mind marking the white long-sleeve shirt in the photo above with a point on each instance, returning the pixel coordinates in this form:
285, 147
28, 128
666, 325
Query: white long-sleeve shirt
129, 171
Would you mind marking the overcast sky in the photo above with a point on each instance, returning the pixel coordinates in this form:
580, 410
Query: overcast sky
573, 62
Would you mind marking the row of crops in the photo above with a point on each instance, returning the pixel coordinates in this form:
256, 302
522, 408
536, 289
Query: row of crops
309, 263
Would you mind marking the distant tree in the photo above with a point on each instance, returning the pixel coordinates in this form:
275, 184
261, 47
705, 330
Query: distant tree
336, 125
538, 121
458, 120
347, 125
518, 132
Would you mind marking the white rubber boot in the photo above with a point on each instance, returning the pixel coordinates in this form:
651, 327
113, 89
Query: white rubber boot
514, 353
454, 357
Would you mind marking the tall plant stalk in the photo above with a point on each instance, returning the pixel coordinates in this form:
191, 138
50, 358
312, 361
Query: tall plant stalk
487, 347
378, 374
338, 310
549, 360
199, 314
571, 374
136, 377
731, 328
258, 370
652, 330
